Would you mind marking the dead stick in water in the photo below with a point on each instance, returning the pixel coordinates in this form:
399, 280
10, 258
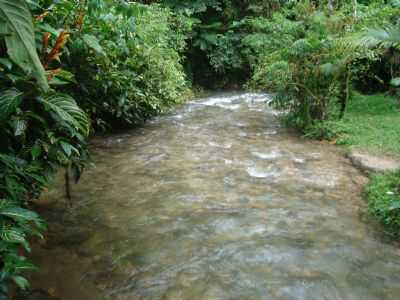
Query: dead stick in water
67, 187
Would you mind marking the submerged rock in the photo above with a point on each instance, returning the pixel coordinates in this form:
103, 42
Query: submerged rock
371, 163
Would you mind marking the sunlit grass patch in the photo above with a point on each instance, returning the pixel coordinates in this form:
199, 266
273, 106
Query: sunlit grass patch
371, 123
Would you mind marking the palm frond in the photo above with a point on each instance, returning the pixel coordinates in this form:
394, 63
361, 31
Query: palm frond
385, 37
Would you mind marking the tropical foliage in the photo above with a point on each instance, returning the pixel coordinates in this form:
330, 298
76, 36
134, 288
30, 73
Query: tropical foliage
41, 129
67, 69
72, 68
313, 76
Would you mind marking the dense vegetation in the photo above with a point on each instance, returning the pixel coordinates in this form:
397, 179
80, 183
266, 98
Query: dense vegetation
73, 68
69, 68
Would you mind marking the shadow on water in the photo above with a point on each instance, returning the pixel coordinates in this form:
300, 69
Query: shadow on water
215, 201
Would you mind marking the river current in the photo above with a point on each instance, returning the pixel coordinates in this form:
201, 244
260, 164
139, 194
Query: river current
215, 201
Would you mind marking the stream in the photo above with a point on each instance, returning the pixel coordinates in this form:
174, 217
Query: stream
215, 201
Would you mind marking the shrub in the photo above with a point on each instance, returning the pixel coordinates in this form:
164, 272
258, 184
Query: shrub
111, 61
313, 63
41, 129
126, 60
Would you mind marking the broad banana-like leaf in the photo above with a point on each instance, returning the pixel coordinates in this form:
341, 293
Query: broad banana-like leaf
17, 27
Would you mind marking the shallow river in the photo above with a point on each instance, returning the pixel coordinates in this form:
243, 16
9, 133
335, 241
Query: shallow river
216, 201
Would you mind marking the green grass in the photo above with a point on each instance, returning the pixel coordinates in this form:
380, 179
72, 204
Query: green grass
383, 196
371, 123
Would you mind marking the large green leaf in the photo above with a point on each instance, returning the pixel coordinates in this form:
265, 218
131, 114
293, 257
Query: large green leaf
13, 235
93, 43
18, 213
16, 23
19, 126
9, 101
21, 281
67, 111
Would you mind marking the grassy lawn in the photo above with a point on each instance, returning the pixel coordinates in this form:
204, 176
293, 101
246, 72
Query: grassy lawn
371, 123
383, 196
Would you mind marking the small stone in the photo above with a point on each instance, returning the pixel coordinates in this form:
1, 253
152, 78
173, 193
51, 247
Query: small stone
52, 292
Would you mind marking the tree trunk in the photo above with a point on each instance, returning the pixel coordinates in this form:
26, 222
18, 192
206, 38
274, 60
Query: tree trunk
67, 186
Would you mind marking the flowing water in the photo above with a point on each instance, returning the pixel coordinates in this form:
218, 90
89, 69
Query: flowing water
216, 201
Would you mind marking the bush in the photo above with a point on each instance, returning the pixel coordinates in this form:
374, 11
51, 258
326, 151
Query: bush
41, 129
79, 65
126, 60
311, 60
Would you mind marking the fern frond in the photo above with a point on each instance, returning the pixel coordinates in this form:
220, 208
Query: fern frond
385, 37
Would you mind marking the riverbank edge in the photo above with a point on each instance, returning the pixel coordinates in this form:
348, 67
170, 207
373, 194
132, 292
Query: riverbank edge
381, 192
372, 164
